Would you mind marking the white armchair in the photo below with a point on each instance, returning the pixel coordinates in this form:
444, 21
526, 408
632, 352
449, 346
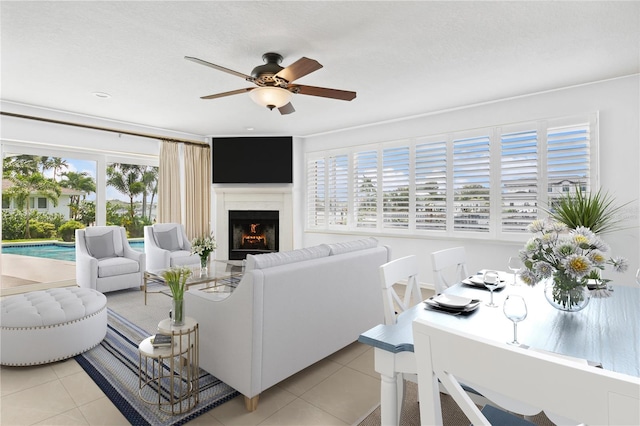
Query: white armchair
167, 245
105, 261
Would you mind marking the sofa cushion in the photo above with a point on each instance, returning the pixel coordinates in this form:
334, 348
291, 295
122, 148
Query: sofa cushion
349, 246
101, 246
269, 260
110, 267
183, 257
168, 239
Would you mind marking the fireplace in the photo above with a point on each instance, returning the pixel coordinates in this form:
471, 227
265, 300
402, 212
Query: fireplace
253, 232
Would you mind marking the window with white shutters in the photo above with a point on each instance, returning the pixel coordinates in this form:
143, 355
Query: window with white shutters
316, 215
395, 187
365, 189
338, 195
431, 185
483, 183
471, 183
518, 179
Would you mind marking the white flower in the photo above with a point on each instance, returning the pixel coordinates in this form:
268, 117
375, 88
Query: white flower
575, 254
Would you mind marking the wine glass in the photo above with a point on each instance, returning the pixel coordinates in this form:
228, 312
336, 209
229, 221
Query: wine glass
491, 281
515, 309
515, 264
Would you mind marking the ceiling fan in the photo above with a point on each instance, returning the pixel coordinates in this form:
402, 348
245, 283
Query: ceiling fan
275, 83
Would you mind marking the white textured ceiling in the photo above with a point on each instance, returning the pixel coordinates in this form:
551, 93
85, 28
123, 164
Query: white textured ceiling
402, 58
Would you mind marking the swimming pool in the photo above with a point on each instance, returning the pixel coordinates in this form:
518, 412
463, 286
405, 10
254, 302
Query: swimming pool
53, 250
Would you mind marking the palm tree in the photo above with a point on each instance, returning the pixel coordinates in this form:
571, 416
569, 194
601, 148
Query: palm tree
150, 180
80, 182
126, 179
57, 164
24, 185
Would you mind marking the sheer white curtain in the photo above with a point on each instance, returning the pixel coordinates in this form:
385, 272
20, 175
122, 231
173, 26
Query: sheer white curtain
169, 195
197, 169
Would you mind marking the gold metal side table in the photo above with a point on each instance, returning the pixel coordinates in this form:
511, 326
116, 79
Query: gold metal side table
174, 370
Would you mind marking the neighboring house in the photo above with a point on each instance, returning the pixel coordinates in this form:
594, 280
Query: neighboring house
41, 204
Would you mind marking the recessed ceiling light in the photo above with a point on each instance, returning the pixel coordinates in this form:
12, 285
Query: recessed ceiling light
101, 95
249, 128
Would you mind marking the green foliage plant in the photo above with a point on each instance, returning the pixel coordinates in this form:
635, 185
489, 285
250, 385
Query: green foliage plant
42, 230
596, 211
67, 231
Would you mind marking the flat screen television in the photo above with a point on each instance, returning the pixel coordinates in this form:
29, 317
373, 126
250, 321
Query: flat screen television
265, 159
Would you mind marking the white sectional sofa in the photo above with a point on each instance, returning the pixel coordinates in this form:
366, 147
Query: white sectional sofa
290, 310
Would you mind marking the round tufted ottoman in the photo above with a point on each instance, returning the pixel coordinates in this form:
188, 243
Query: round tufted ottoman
46, 326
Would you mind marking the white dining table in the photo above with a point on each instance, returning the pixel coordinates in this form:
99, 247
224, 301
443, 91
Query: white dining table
605, 333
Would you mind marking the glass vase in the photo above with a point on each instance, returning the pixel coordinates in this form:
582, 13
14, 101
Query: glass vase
566, 294
204, 263
177, 312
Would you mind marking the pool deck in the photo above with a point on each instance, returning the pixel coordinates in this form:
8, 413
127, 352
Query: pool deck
19, 272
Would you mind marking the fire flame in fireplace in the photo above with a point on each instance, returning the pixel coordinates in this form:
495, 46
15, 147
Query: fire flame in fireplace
254, 238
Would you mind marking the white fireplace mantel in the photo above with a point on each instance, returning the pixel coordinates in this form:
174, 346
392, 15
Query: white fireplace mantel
227, 198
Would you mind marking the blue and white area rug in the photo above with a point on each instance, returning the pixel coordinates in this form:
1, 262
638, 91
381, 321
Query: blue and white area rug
113, 365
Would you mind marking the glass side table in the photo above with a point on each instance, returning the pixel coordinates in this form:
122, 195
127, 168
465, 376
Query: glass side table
177, 386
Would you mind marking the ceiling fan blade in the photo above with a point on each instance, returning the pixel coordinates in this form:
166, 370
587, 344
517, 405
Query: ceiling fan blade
342, 95
299, 68
286, 109
233, 92
218, 67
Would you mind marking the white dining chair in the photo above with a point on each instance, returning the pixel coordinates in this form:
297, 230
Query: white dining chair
444, 263
519, 380
403, 269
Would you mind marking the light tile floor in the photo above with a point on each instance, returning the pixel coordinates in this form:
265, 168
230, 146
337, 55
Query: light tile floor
338, 390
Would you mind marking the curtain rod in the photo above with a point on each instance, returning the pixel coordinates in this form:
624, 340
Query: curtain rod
106, 129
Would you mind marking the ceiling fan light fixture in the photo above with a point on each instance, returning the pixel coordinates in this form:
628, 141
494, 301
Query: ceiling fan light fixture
270, 97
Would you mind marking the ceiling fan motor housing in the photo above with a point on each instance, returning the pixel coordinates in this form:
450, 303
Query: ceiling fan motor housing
265, 73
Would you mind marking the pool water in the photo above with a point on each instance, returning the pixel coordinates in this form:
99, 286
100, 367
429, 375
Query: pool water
54, 251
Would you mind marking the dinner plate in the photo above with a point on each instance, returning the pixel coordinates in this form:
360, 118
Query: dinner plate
452, 301
472, 306
476, 281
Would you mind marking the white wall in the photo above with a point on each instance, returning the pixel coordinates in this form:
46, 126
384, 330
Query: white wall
618, 104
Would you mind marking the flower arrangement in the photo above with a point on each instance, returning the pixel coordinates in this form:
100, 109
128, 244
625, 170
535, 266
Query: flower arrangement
203, 246
574, 253
569, 256
176, 278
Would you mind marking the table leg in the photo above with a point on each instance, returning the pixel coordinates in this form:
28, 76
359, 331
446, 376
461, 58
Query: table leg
389, 413
144, 280
391, 387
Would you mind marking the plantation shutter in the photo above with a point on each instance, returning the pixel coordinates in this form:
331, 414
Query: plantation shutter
338, 194
365, 188
316, 192
519, 179
568, 159
431, 185
471, 184
395, 187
